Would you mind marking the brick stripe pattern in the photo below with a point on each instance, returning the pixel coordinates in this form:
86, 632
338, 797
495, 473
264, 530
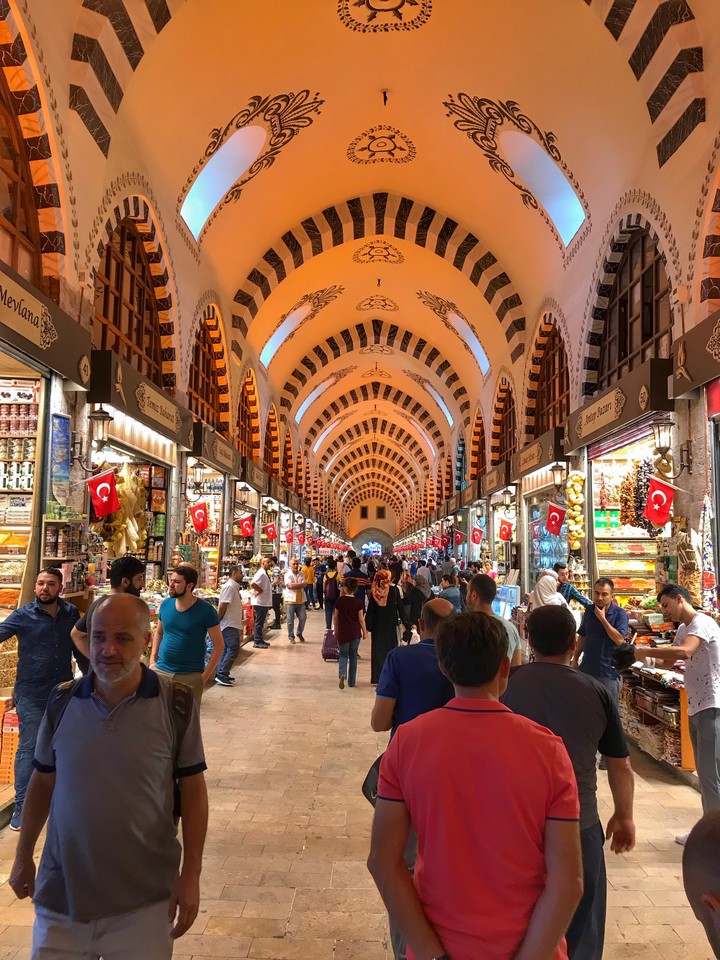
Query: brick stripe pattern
382, 214
25, 92
710, 280
628, 225
478, 459
249, 389
212, 322
392, 462
375, 470
372, 332
460, 464
374, 488
288, 467
390, 432
503, 395
547, 325
110, 41
449, 477
271, 458
138, 210
430, 500
661, 41
299, 474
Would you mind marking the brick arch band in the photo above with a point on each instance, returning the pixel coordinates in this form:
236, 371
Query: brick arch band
249, 386
374, 487
504, 390
211, 320
710, 276
385, 458
374, 467
628, 225
548, 324
26, 99
387, 215
373, 333
139, 211
288, 462
272, 430
384, 430
478, 457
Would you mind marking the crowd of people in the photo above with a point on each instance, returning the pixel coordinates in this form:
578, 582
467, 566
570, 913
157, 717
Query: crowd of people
508, 747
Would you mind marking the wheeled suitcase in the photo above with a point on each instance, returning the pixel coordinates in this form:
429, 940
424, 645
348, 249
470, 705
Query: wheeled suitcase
330, 649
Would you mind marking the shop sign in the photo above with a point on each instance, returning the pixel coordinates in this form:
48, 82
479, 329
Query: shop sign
496, 479
696, 356
38, 328
455, 503
254, 475
540, 453
293, 501
643, 389
277, 490
471, 493
118, 384
214, 450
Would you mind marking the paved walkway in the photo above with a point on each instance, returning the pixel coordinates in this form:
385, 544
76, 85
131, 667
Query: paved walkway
284, 875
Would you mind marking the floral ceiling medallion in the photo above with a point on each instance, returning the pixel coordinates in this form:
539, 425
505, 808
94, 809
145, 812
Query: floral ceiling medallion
378, 303
379, 348
378, 251
383, 16
376, 372
381, 144
481, 119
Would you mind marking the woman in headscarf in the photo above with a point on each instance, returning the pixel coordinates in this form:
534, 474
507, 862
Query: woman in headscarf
546, 593
382, 618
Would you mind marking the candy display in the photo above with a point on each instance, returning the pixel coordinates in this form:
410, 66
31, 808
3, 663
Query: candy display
575, 493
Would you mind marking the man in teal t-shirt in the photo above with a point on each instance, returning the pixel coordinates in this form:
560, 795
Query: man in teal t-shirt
178, 649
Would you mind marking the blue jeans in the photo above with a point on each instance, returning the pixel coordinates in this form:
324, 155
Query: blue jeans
309, 595
30, 712
348, 650
231, 639
293, 610
260, 613
586, 933
329, 611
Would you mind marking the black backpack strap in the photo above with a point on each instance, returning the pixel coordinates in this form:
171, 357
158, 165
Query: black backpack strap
60, 697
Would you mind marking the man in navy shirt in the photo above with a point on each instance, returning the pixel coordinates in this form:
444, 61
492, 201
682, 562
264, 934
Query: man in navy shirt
43, 629
410, 684
604, 626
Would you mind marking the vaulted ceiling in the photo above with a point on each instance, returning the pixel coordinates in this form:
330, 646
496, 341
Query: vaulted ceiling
381, 264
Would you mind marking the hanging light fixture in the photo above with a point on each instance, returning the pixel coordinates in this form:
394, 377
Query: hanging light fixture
558, 471
99, 420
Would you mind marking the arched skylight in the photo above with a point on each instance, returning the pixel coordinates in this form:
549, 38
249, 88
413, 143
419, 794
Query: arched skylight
222, 170
540, 174
293, 320
440, 402
309, 401
465, 331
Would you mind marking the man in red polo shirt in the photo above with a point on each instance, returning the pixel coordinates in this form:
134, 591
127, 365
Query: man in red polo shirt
493, 799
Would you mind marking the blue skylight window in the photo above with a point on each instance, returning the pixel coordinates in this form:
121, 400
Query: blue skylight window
308, 402
222, 170
286, 327
322, 436
540, 174
440, 402
465, 331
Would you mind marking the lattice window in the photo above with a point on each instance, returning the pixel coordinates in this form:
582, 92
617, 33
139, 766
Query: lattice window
19, 227
553, 389
203, 386
638, 323
126, 312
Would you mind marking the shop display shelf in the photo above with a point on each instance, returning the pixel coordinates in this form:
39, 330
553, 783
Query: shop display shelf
4, 583
21, 460
65, 520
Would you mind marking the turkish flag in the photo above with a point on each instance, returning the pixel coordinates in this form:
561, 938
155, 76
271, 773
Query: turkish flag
445, 542
288, 536
198, 514
103, 492
301, 538
477, 535
555, 519
310, 540
271, 531
458, 538
506, 530
659, 502
247, 527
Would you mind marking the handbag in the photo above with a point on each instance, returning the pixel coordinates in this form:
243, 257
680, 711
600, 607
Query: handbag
370, 783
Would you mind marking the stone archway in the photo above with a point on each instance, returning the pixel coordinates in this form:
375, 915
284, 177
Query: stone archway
372, 534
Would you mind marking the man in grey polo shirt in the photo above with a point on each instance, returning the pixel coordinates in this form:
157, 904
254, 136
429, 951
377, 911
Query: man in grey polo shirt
109, 882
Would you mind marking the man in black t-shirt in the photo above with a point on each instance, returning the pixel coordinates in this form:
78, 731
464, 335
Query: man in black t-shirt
580, 710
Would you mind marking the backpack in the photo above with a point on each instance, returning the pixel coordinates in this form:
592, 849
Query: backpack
331, 589
179, 708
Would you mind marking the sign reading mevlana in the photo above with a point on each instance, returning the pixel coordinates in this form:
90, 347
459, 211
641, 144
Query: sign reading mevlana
41, 330
116, 383
540, 453
215, 451
641, 391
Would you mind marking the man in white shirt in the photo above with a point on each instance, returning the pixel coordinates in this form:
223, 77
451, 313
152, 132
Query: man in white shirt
697, 641
232, 624
261, 601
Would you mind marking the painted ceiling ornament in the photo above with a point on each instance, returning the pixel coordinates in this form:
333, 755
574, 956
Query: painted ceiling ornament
481, 119
384, 16
379, 348
381, 144
318, 300
283, 116
376, 372
378, 303
442, 309
378, 251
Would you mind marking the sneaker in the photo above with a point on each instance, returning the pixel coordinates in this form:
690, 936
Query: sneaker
225, 681
301, 639
681, 838
16, 819
262, 645
342, 683
292, 639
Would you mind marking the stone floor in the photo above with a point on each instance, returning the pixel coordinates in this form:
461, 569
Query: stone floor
284, 875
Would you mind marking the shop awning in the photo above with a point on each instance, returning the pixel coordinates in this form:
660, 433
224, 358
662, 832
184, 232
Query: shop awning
211, 448
540, 453
696, 357
39, 329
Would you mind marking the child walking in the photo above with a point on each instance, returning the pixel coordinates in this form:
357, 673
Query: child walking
349, 625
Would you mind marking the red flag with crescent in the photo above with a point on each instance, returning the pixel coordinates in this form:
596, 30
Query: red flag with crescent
271, 531
555, 519
199, 517
301, 539
247, 527
103, 493
659, 502
506, 530
288, 536
458, 538
445, 542
310, 540
477, 535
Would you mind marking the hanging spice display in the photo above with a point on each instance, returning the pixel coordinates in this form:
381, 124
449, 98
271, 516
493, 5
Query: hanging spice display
575, 494
627, 498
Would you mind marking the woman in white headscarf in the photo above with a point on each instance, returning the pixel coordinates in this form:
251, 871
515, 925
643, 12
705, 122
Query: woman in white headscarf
546, 593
